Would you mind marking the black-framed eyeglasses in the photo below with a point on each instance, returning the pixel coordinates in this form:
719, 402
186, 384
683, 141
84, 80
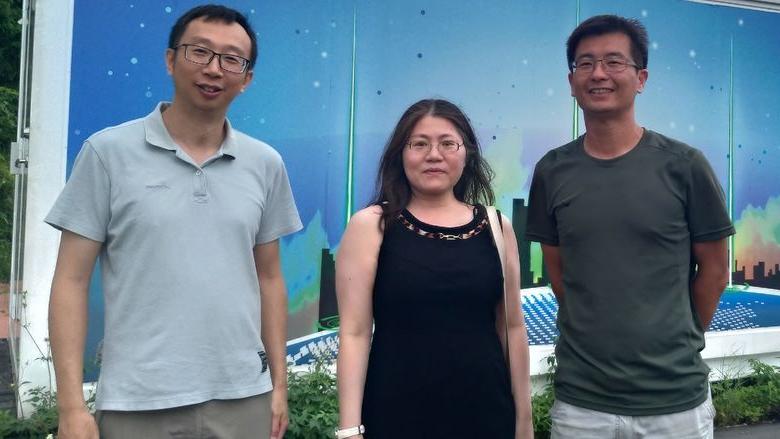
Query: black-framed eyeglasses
611, 64
424, 146
203, 56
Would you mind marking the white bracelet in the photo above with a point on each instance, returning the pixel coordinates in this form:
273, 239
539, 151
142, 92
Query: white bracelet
344, 433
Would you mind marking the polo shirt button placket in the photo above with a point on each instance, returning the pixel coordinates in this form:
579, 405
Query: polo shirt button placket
199, 192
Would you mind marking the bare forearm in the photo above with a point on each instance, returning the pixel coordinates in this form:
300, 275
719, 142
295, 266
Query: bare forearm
274, 328
519, 363
707, 289
352, 366
67, 333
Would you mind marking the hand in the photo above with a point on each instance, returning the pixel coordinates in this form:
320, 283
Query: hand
77, 424
279, 413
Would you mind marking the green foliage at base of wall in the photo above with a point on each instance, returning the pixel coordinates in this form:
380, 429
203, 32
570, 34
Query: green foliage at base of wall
748, 400
41, 423
313, 402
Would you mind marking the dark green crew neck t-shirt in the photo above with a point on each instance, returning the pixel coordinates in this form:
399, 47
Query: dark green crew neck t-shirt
630, 339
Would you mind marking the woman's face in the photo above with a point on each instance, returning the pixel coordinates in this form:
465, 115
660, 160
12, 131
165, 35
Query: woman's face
434, 157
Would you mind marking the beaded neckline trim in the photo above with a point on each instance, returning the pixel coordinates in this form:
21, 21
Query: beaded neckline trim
445, 236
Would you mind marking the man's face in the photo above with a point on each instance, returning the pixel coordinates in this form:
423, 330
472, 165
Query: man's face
599, 92
208, 87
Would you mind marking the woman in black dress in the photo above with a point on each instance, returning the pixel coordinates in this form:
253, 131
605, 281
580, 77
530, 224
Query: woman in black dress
419, 264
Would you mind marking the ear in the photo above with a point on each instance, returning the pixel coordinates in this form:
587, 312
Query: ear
170, 60
642, 74
247, 79
571, 86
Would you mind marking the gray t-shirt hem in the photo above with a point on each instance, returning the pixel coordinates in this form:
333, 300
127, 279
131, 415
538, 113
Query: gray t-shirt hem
181, 400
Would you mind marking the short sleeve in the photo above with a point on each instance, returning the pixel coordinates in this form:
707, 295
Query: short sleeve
541, 226
280, 215
83, 207
708, 219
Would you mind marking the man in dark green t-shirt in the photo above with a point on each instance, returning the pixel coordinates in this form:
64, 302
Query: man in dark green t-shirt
633, 228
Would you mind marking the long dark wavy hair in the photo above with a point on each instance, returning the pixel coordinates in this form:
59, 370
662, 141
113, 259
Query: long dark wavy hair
393, 191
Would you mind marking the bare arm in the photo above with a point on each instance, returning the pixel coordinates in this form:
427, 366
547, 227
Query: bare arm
519, 359
68, 330
273, 299
356, 264
712, 275
552, 260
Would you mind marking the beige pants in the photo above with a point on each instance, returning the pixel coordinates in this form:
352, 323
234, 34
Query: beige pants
216, 419
572, 422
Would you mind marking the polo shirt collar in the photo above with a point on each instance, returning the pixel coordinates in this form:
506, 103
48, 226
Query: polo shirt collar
157, 134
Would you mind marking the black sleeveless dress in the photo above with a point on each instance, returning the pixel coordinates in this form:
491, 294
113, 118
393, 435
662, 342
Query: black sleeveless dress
436, 368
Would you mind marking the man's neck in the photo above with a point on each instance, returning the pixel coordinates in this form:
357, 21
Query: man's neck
608, 138
198, 133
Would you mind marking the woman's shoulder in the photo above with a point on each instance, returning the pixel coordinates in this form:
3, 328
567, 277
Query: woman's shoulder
369, 216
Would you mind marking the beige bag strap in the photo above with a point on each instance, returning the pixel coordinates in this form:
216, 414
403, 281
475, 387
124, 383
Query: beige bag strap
498, 239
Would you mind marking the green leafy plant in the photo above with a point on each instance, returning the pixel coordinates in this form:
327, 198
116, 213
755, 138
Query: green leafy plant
313, 401
42, 422
541, 403
750, 399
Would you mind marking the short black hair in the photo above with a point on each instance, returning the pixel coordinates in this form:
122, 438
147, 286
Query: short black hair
214, 13
607, 24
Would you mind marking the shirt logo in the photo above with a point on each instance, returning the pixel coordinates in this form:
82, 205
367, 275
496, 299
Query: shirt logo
263, 361
157, 187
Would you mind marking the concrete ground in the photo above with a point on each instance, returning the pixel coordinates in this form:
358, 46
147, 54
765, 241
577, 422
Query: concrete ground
760, 431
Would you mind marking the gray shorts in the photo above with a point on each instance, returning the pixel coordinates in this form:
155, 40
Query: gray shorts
215, 419
573, 422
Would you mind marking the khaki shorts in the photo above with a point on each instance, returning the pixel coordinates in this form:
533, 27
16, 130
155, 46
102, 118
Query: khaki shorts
215, 419
569, 421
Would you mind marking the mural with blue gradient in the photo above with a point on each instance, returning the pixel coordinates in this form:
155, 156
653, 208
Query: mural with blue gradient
333, 77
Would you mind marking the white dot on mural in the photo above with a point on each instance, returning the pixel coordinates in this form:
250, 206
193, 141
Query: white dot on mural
77, 132
127, 75
332, 23
168, 9
251, 11
148, 94
110, 73
316, 84
644, 12
691, 128
741, 22
133, 60
142, 25
550, 92
692, 53
672, 125
324, 54
654, 45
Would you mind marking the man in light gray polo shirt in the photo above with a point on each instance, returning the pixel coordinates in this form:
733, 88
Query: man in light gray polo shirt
185, 214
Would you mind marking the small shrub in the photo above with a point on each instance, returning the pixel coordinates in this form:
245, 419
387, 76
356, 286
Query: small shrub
541, 403
313, 401
748, 400
42, 422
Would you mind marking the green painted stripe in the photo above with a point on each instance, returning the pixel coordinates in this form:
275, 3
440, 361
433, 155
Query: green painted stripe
351, 140
732, 262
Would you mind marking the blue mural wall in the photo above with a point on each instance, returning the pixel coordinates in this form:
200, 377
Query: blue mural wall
333, 76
